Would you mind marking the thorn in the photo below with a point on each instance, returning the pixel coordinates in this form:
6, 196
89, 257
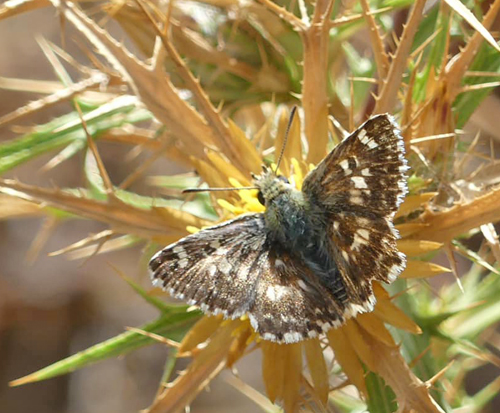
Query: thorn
429, 383
419, 357
98, 247
108, 186
453, 263
157, 337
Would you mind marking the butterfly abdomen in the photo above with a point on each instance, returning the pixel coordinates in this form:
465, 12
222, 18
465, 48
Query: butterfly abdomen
296, 225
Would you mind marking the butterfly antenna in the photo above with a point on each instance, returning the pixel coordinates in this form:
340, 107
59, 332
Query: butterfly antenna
290, 121
191, 190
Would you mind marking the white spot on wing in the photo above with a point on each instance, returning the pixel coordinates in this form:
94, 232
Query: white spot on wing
396, 269
364, 233
269, 336
366, 172
363, 221
242, 273
218, 311
303, 285
285, 318
344, 164
270, 293
275, 292
225, 267
312, 333
356, 200
215, 244
362, 136
353, 309
253, 322
178, 249
292, 337
325, 326
183, 263
359, 182
357, 242
394, 272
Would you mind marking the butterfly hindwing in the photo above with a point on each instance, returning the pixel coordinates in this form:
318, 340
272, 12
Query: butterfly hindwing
291, 304
360, 186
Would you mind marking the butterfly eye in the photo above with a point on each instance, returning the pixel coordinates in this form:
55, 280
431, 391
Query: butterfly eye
261, 199
283, 179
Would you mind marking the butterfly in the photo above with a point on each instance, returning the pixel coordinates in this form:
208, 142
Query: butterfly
307, 263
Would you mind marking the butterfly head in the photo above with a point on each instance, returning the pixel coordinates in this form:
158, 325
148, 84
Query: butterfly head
270, 185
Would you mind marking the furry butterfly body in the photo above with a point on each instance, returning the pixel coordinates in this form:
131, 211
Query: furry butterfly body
307, 263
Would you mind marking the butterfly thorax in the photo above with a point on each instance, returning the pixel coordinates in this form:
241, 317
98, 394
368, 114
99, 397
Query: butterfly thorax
292, 220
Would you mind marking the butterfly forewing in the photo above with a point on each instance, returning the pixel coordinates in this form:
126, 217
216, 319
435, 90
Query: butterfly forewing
360, 186
366, 171
215, 268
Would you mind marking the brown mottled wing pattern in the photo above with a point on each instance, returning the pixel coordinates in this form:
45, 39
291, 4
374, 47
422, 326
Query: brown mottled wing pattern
216, 268
291, 304
230, 269
360, 185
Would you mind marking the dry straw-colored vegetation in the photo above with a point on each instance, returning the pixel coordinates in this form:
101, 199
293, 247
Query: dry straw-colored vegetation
213, 96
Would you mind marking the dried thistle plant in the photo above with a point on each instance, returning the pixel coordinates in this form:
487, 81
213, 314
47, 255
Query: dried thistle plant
219, 69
